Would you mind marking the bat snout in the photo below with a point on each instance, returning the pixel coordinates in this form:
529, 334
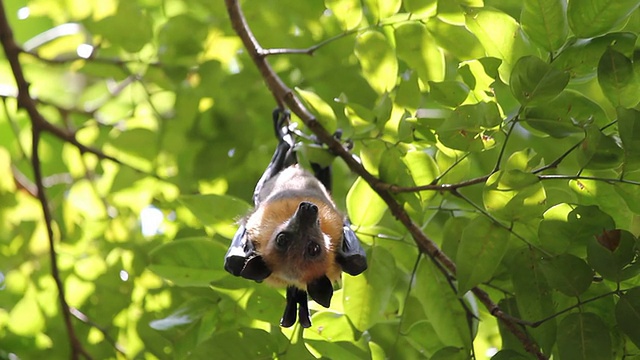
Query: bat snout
307, 214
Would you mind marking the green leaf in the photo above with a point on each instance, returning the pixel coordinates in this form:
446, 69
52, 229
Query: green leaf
441, 306
629, 130
535, 82
448, 92
324, 113
422, 169
416, 47
584, 336
598, 151
580, 58
366, 296
501, 37
244, 343
394, 170
263, 304
628, 314
463, 129
630, 193
533, 295
333, 336
452, 235
364, 206
589, 18
617, 79
611, 252
420, 7
508, 355
545, 22
456, 40
514, 195
566, 226
348, 12
481, 249
186, 314
378, 61
450, 353
139, 142
564, 115
180, 39
382, 9
212, 209
189, 262
130, 27
567, 273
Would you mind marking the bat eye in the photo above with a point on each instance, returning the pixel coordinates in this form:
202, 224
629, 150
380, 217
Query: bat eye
313, 250
282, 240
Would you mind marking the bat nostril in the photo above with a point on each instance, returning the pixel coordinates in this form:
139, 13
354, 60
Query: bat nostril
313, 250
308, 207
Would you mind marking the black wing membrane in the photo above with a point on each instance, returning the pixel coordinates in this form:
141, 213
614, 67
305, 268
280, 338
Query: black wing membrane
241, 258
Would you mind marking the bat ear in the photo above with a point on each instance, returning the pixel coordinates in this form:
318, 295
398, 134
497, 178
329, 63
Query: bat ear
321, 290
351, 255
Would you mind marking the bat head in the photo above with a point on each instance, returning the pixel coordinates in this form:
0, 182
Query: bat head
297, 247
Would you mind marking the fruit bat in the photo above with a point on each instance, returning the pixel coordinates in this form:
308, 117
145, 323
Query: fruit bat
295, 236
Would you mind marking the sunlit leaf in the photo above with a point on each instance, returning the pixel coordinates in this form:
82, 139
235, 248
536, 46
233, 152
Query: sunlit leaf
324, 112
441, 306
501, 37
366, 296
588, 18
212, 209
378, 61
382, 9
416, 47
580, 58
535, 82
348, 12
514, 195
562, 116
365, 207
456, 40
449, 93
189, 262
565, 225
545, 22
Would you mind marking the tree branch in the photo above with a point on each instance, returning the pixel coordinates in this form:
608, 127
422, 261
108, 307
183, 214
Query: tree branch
25, 101
284, 95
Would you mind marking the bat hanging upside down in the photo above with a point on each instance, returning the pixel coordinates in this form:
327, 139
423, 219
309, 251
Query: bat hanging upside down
295, 236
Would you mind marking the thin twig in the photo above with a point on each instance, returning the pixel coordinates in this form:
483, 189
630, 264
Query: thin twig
284, 95
25, 101
85, 319
594, 178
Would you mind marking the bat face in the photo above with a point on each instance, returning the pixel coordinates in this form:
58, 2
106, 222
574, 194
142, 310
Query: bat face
299, 244
296, 238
